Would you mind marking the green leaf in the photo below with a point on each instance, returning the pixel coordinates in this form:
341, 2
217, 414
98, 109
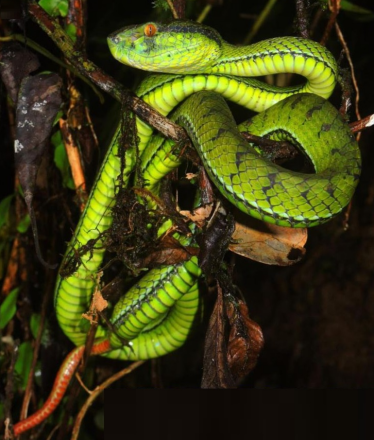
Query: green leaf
59, 115
23, 224
162, 4
55, 8
23, 362
35, 324
4, 210
61, 161
358, 12
2, 412
71, 30
99, 420
8, 307
351, 7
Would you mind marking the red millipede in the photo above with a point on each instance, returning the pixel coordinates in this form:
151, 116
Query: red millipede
60, 385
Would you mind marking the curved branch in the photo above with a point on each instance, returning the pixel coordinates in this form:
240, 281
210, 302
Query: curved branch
97, 391
89, 70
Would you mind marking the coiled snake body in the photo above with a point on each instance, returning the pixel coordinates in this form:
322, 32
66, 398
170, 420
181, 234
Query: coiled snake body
158, 311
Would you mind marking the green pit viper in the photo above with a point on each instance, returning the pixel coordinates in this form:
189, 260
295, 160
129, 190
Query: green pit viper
193, 61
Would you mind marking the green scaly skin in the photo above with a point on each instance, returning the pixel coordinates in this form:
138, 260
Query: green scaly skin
247, 180
257, 186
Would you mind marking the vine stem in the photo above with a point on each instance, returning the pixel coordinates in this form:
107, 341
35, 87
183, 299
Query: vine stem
97, 391
50, 279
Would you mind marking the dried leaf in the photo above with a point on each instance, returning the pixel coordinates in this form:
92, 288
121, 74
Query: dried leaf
169, 256
98, 302
245, 340
266, 243
214, 242
216, 372
16, 62
199, 215
170, 251
39, 100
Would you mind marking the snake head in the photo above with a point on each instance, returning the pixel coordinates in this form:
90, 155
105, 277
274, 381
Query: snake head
180, 46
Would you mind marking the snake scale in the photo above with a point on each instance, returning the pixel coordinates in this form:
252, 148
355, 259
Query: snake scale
192, 61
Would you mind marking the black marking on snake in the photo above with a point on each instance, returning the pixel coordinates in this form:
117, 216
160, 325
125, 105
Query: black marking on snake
238, 157
189, 27
330, 190
326, 127
272, 177
266, 189
295, 102
212, 111
221, 131
277, 217
315, 108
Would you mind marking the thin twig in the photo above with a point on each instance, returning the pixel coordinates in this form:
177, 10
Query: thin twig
352, 69
76, 16
96, 392
9, 390
362, 124
16, 268
50, 280
334, 6
204, 13
173, 11
275, 150
82, 384
74, 158
260, 19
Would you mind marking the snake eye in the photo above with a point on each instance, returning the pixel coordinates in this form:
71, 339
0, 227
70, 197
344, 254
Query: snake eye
150, 30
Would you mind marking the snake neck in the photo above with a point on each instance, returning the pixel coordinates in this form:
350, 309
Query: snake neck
281, 55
